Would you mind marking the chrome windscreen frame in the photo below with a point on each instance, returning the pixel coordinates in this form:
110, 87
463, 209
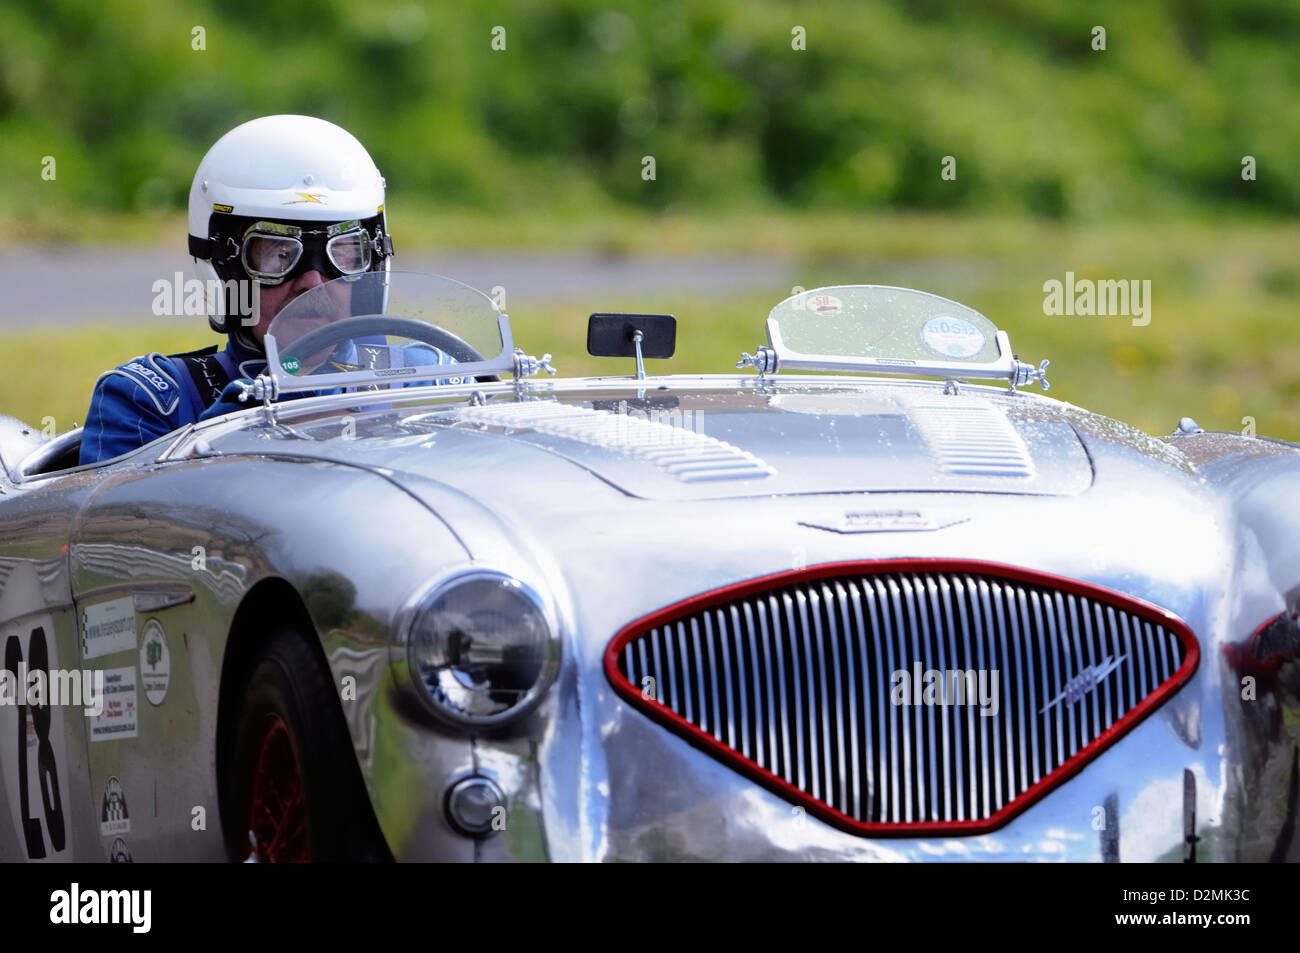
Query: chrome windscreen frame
788, 358
778, 356
503, 362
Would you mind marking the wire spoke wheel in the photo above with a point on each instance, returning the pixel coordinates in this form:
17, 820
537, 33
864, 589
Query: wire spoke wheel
293, 790
277, 806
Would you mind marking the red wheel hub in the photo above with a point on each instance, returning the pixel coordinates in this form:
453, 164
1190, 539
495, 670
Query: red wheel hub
277, 806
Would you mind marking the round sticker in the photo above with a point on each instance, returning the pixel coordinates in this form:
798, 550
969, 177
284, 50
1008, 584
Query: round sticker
824, 304
155, 662
291, 364
952, 337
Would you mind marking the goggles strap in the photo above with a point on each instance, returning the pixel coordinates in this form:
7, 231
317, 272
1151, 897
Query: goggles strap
222, 248
209, 249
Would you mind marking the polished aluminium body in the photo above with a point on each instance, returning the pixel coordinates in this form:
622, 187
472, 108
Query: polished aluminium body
355, 504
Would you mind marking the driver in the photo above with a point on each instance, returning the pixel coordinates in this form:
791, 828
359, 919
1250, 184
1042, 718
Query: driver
278, 206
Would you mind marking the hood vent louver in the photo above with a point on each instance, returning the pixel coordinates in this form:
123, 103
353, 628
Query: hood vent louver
689, 456
970, 436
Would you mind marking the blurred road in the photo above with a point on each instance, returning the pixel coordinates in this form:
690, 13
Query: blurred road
68, 286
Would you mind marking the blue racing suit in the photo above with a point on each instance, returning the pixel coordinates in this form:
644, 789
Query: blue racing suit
153, 395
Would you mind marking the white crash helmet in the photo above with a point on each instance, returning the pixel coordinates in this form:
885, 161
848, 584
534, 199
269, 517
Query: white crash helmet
277, 196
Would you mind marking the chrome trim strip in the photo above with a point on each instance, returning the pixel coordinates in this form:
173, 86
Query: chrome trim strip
715, 696
807, 712
1006, 711
1094, 729
1031, 713
1021, 713
990, 637
788, 773
852, 666
1058, 683
687, 696
726, 677
888, 740
668, 697
1163, 645
741, 681
812, 606
148, 602
700, 696
757, 682
979, 589
1142, 656
838, 775
909, 776
972, 774
930, 620
1106, 703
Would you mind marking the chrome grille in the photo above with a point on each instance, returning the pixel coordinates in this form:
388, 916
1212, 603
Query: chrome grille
797, 681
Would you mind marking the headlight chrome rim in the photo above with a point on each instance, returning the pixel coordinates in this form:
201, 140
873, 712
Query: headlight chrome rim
427, 597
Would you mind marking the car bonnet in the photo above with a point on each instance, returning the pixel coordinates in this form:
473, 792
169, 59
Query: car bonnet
667, 442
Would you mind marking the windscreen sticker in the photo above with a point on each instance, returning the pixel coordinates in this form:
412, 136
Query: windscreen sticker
952, 337
155, 662
118, 719
108, 627
824, 304
113, 816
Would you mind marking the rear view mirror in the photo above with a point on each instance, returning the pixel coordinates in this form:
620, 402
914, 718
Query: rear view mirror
632, 335
613, 335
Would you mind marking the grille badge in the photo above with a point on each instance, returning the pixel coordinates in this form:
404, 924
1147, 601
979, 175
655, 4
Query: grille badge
885, 521
1087, 680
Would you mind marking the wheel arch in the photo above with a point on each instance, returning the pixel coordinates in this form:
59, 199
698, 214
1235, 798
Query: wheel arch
271, 605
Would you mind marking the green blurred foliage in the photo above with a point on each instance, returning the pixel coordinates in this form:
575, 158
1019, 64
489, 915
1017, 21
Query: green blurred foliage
1039, 123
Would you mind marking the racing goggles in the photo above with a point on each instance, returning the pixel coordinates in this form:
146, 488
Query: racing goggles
270, 251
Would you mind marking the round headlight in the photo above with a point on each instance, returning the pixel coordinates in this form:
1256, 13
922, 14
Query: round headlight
481, 648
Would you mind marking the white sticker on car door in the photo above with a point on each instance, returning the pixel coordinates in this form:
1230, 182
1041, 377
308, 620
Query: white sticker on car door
108, 627
118, 719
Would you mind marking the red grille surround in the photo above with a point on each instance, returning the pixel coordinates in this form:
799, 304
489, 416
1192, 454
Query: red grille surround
1012, 580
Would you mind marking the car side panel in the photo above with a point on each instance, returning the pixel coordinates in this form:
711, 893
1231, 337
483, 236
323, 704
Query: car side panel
351, 543
46, 799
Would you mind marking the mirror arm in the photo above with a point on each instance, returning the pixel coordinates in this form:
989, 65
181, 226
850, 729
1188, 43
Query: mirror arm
637, 337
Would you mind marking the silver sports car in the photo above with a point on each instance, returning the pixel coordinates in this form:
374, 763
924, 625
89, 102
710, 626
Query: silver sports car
866, 598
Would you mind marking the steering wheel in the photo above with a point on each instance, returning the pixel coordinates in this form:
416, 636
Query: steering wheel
332, 334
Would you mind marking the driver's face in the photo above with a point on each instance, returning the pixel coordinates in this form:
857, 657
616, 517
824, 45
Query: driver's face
273, 298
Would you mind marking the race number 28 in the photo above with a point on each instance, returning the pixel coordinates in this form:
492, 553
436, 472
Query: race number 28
47, 770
